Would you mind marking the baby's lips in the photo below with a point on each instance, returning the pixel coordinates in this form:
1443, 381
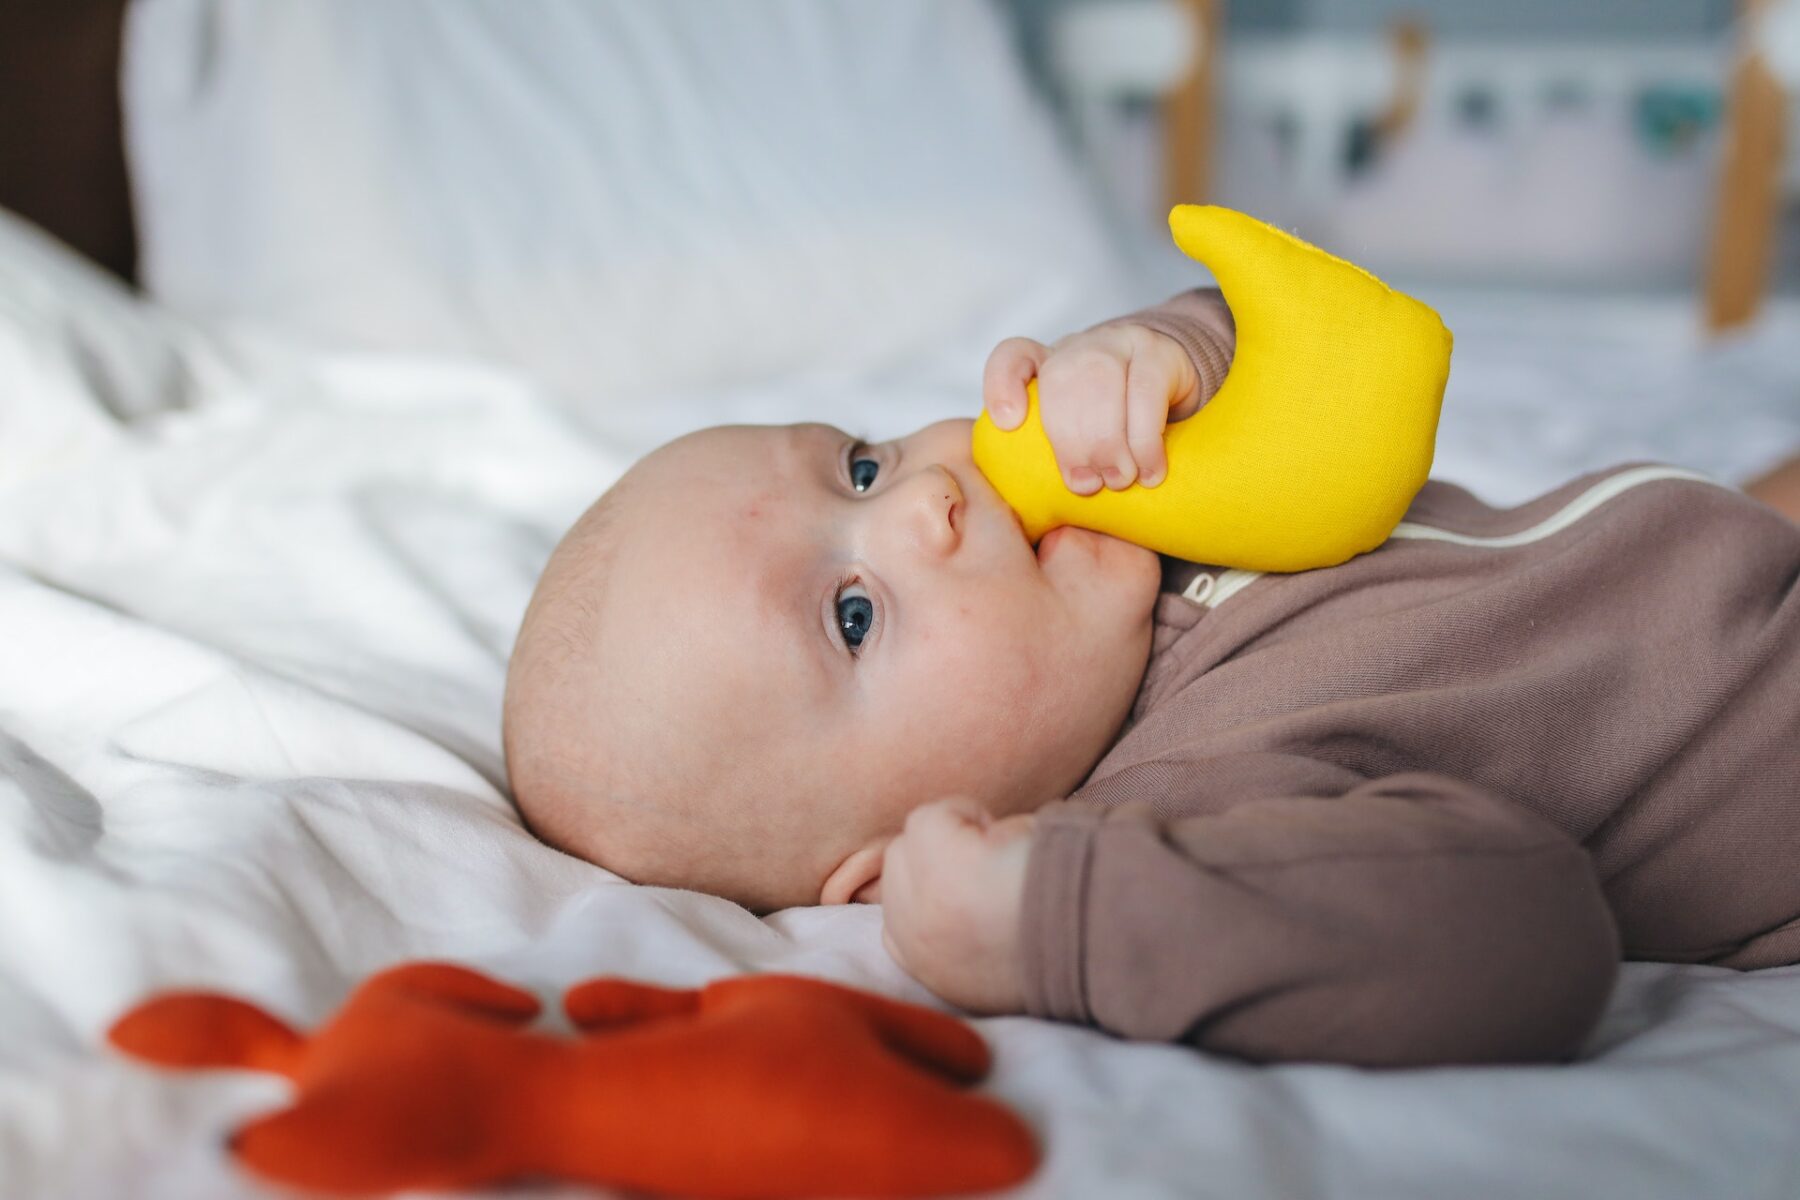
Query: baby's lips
999, 502
1019, 522
1049, 541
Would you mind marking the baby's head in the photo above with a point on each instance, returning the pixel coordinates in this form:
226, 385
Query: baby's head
765, 645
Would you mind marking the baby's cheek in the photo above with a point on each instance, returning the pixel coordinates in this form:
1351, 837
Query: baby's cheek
1003, 661
991, 637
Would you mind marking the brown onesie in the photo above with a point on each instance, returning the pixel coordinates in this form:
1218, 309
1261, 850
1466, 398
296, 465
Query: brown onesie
1413, 809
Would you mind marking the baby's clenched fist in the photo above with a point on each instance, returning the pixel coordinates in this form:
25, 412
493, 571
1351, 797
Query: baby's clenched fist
1104, 397
952, 888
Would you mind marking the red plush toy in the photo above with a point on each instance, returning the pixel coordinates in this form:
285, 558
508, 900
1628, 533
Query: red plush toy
761, 1085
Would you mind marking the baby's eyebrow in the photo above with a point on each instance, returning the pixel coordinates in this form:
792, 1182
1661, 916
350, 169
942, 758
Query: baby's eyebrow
829, 438
807, 447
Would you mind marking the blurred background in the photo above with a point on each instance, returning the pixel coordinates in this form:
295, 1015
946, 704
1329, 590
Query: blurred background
1535, 143
640, 204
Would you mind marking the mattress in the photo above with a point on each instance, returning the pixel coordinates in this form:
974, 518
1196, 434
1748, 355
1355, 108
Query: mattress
258, 604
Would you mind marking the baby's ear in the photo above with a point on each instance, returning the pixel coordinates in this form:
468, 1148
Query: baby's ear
857, 880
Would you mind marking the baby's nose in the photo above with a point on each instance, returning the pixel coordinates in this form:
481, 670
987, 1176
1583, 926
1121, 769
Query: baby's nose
935, 510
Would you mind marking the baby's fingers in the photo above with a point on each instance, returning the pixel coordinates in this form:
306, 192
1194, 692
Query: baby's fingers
1011, 365
1081, 402
1146, 416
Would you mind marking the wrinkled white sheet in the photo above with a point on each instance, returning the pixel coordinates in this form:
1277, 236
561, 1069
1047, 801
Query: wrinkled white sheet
254, 641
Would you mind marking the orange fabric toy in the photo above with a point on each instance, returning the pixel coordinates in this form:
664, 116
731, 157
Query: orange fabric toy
759, 1085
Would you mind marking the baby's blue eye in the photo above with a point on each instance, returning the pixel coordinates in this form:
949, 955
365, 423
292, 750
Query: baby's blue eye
855, 615
863, 472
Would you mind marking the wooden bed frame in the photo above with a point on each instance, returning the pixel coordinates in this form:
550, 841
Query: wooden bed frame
1749, 196
1189, 116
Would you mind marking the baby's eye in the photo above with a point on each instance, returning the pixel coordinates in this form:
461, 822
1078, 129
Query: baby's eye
863, 471
856, 614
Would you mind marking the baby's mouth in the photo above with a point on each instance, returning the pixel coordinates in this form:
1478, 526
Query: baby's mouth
1012, 514
1019, 524
1051, 539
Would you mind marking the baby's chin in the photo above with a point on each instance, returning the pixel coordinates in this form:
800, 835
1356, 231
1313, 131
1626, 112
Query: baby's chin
1088, 547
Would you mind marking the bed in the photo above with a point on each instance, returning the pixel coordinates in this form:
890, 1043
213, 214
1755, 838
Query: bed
260, 579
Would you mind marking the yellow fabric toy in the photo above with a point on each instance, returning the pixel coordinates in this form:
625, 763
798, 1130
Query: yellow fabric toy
1316, 443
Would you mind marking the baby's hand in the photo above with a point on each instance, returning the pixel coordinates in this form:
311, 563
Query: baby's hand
1104, 397
952, 885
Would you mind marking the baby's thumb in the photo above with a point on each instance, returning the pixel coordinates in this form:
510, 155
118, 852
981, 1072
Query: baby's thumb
1012, 365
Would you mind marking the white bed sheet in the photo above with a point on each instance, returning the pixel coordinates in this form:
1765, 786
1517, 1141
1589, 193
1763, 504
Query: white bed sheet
249, 706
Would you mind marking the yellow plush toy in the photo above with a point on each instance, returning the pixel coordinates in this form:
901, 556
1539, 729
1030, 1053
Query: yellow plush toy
1311, 450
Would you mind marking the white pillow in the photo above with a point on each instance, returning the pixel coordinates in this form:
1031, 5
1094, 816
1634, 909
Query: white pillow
60, 307
616, 195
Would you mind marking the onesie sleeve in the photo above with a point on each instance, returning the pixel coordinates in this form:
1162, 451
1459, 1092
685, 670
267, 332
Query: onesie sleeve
1412, 920
1201, 322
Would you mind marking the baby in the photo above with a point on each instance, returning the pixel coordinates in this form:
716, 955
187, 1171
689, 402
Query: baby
1408, 810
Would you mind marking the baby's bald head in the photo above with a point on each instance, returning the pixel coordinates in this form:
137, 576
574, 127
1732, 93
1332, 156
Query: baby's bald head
758, 651
606, 742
